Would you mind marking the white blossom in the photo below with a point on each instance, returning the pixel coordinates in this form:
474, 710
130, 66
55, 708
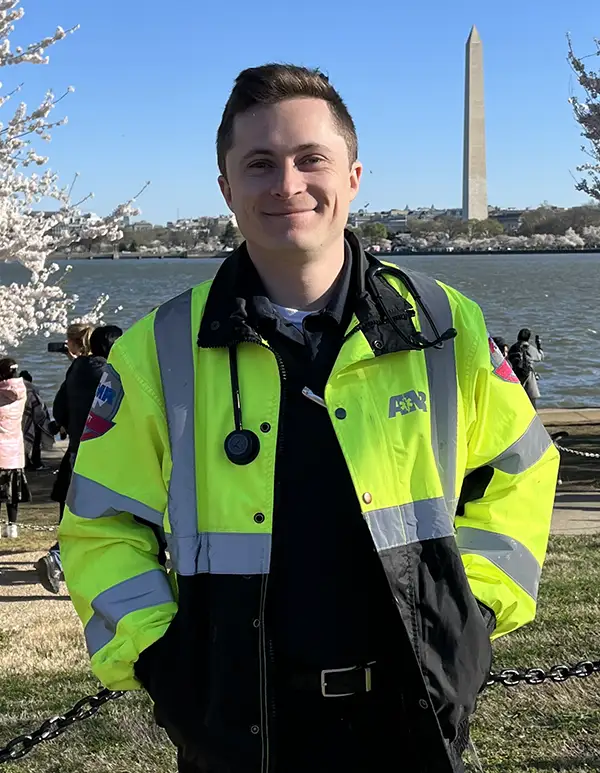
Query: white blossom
30, 237
571, 240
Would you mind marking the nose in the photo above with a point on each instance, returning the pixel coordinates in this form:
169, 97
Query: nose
288, 181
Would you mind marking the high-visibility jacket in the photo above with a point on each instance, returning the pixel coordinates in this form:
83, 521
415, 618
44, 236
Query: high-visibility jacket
454, 473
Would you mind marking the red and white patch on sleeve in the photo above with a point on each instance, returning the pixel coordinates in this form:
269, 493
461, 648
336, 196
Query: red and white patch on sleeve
105, 406
501, 366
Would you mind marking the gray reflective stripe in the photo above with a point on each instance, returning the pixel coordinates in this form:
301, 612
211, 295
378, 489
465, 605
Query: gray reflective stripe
509, 555
443, 390
404, 524
88, 499
525, 451
145, 590
175, 348
220, 553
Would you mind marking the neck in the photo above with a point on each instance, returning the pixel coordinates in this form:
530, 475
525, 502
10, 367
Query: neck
299, 280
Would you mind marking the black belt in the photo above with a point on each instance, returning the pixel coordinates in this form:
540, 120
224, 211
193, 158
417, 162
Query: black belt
333, 682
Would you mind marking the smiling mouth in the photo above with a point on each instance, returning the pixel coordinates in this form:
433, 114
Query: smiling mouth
289, 214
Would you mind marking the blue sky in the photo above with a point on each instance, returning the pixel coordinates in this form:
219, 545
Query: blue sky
152, 77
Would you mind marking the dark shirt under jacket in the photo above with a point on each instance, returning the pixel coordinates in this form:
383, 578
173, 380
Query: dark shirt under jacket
328, 597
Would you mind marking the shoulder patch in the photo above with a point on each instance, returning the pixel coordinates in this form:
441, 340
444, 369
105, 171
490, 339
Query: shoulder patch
107, 402
501, 367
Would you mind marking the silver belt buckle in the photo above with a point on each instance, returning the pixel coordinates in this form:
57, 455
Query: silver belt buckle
326, 671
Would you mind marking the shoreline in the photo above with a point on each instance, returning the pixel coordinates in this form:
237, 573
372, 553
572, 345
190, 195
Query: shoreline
579, 474
222, 255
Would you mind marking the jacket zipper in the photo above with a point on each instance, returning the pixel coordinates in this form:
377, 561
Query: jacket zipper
266, 653
268, 712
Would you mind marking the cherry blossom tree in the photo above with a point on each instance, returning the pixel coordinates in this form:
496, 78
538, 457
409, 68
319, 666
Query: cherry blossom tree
586, 109
29, 236
591, 236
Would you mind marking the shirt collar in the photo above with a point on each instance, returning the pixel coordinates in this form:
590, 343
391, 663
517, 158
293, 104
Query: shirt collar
237, 300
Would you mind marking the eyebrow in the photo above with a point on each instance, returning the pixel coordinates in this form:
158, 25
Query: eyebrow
298, 149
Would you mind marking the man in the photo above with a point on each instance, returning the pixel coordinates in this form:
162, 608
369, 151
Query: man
353, 490
522, 356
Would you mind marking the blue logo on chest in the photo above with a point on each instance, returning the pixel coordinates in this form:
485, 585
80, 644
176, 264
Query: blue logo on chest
407, 403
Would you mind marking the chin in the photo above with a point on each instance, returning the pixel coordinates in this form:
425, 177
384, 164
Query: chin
293, 240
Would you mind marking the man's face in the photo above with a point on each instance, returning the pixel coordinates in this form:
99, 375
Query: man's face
289, 179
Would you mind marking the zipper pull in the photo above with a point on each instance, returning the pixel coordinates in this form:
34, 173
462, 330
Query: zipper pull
310, 395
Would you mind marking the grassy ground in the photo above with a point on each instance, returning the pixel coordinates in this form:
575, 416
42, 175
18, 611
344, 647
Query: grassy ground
44, 671
549, 727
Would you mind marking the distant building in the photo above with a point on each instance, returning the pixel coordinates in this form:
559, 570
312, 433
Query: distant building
432, 213
395, 220
74, 223
511, 219
223, 220
357, 219
141, 225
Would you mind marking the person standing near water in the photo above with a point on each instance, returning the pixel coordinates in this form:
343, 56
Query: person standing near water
522, 356
354, 491
71, 408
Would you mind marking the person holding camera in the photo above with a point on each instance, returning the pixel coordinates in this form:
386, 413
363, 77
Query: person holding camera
77, 343
71, 408
77, 349
522, 356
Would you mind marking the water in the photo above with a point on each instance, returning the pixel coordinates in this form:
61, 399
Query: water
557, 296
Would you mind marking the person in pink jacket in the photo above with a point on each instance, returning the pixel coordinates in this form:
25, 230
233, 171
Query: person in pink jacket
13, 483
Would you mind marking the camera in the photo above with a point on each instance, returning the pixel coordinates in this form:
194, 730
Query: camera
59, 347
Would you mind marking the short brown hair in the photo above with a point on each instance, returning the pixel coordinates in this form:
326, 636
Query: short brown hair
273, 83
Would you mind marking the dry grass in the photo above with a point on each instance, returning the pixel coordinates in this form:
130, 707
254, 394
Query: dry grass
44, 670
552, 726
25, 609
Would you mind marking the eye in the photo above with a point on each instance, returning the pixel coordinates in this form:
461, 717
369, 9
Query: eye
312, 160
260, 163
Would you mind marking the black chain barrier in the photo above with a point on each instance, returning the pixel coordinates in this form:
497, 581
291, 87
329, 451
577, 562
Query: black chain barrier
511, 677
90, 705
55, 726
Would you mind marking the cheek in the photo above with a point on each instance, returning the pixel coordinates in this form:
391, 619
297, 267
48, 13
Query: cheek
246, 195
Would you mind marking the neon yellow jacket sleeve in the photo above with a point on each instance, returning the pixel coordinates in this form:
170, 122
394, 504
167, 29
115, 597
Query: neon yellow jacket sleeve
116, 501
508, 494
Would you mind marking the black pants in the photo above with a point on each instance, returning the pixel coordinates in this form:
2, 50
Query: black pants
61, 506
13, 512
36, 451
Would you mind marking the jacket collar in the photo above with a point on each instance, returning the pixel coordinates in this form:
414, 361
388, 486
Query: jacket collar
227, 318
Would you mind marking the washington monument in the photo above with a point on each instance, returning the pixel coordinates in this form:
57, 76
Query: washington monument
475, 203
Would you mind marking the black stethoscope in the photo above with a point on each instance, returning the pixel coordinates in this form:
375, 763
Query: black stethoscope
242, 445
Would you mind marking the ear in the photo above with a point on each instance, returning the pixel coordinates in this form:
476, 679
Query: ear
225, 190
355, 175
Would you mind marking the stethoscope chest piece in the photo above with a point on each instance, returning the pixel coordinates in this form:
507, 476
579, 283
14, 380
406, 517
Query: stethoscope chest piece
242, 446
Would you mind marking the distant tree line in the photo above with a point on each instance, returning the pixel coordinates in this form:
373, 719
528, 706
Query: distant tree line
545, 220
